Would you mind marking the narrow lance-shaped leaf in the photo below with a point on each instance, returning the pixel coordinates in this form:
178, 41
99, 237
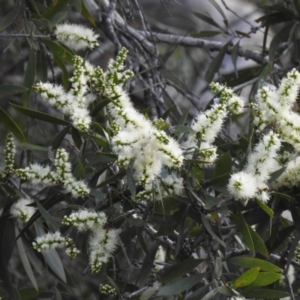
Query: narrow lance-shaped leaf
246, 278
216, 63
12, 126
179, 286
29, 76
39, 115
25, 260
9, 89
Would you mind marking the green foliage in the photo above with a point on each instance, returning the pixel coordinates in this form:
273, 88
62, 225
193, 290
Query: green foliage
200, 241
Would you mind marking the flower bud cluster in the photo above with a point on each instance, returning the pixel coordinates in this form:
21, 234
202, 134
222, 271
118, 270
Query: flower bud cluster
108, 290
22, 211
85, 220
171, 185
235, 104
252, 181
73, 103
71, 250
9, 154
49, 241
44, 174
55, 240
76, 37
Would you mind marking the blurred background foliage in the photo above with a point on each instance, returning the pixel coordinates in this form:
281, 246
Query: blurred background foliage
215, 249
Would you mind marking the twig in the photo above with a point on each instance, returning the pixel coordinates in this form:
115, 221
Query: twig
202, 43
18, 35
166, 242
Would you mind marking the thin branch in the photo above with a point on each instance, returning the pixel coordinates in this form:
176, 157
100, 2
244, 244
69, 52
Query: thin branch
202, 43
18, 35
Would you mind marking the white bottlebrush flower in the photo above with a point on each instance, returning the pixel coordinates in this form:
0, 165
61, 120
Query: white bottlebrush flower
22, 211
262, 161
242, 186
85, 219
9, 154
102, 244
171, 185
235, 105
291, 176
222, 91
40, 174
76, 37
160, 256
288, 89
49, 241
37, 174
207, 125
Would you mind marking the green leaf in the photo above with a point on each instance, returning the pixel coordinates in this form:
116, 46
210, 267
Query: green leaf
25, 260
250, 262
223, 165
9, 18
39, 115
79, 171
216, 63
99, 106
55, 143
276, 174
76, 137
52, 259
147, 264
179, 269
57, 11
9, 89
267, 294
54, 262
65, 74
87, 14
246, 278
31, 294
130, 180
166, 113
200, 293
121, 174
29, 76
207, 19
183, 129
266, 71
209, 295
219, 9
60, 51
281, 36
297, 5
12, 126
265, 208
218, 267
34, 147
103, 158
259, 245
209, 229
266, 278
47, 217
179, 286
244, 228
